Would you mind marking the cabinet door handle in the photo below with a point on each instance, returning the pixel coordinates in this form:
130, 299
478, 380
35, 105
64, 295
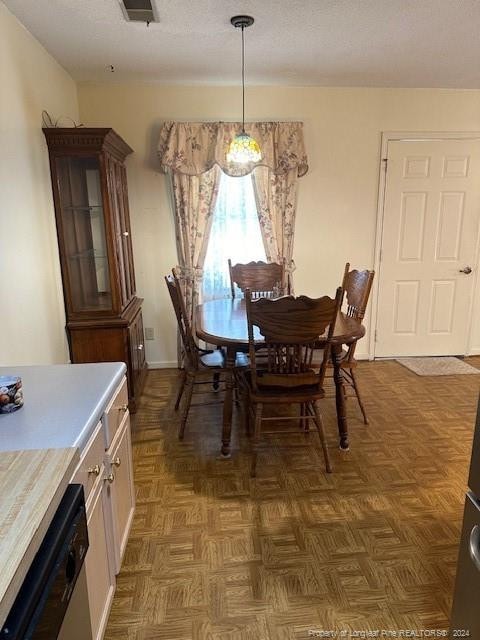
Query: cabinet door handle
110, 478
117, 462
140, 347
123, 407
95, 470
126, 234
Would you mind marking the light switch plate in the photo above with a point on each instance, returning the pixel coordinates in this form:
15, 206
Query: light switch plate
149, 333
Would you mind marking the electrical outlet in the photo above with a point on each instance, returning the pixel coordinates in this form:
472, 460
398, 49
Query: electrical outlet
149, 333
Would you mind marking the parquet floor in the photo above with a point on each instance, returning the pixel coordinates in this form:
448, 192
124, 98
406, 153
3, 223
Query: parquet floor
215, 555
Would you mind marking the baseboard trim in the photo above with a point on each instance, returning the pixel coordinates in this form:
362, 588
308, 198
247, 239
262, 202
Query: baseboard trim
474, 352
361, 356
163, 364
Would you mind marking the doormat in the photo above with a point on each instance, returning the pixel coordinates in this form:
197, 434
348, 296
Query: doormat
437, 366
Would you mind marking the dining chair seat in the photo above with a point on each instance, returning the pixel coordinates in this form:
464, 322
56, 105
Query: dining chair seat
276, 395
212, 359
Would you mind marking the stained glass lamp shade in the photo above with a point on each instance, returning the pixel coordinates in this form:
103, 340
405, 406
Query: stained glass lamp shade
243, 148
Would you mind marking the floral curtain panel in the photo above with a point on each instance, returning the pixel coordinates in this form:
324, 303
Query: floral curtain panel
194, 198
193, 148
276, 198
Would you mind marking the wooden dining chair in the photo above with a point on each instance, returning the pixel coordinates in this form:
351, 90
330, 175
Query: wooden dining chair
290, 327
198, 363
357, 286
263, 279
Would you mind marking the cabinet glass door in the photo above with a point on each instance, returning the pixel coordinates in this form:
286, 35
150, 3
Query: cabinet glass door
84, 237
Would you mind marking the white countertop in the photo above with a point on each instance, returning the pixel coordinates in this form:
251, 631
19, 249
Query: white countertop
62, 404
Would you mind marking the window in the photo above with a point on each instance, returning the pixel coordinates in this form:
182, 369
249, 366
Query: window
235, 234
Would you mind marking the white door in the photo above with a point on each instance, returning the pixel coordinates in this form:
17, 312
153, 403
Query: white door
429, 238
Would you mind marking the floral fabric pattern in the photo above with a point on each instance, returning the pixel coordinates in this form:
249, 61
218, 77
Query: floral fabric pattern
193, 148
194, 198
276, 198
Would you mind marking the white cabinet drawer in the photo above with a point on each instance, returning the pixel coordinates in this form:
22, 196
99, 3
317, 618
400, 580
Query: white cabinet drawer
91, 462
115, 412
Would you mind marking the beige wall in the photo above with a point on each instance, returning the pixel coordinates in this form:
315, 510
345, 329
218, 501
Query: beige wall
337, 201
337, 204
32, 314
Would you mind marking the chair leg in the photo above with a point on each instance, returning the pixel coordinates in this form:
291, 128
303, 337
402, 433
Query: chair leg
181, 390
256, 438
246, 413
236, 393
357, 393
321, 435
304, 426
188, 400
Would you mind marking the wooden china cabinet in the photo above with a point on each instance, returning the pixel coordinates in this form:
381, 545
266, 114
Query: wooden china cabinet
104, 317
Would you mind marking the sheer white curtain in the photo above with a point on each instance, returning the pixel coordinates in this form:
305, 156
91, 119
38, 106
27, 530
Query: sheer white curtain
235, 233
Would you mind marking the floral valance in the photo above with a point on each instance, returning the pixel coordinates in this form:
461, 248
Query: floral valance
192, 148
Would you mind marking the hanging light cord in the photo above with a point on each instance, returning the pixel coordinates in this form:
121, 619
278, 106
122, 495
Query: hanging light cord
243, 80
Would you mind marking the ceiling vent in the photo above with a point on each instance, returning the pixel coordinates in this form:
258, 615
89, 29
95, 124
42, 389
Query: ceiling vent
138, 11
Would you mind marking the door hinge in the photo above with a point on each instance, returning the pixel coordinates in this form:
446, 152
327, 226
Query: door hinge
385, 162
375, 335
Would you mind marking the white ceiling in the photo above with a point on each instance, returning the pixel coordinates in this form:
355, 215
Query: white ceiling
382, 43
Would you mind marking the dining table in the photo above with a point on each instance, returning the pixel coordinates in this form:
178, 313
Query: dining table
223, 323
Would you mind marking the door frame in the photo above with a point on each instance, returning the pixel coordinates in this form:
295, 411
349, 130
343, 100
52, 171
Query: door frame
413, 136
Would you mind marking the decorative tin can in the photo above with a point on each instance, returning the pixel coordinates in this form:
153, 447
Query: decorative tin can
11, 394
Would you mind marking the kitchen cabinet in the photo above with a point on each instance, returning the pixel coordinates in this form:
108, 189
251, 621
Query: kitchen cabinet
89, 182
120, 490
106, 472
98, 562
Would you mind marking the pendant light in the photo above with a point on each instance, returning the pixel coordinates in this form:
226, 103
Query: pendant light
243, 148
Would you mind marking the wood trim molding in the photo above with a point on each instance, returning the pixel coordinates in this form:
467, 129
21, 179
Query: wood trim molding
60, 140
118, 321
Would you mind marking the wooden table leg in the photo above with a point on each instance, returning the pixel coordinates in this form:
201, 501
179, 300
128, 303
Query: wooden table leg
228, 401
340, 397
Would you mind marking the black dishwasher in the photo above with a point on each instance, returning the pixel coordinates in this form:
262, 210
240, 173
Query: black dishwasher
41, 603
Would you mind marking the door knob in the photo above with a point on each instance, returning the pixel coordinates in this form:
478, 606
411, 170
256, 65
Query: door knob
466, 270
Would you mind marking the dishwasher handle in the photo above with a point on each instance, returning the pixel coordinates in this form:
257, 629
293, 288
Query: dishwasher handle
474, 546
